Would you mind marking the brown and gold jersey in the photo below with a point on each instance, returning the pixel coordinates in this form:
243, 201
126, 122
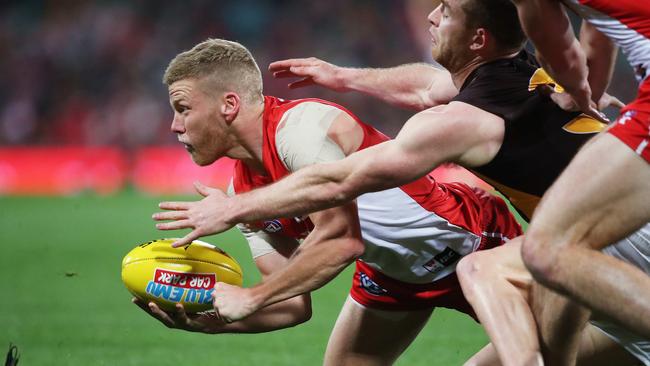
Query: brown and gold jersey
540, 138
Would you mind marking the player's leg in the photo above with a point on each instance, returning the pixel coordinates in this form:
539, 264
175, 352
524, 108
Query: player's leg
560, 323
486, 356
364, 336
596, 349
496, 283
602, 196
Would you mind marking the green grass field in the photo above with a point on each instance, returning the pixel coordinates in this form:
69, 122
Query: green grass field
63, 302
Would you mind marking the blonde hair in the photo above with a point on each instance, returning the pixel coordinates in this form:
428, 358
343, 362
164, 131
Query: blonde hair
224, 65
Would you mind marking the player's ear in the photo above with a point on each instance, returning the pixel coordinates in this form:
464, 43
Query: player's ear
230, 106
479, 40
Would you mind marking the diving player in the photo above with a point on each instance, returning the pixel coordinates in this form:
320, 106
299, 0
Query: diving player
405, 266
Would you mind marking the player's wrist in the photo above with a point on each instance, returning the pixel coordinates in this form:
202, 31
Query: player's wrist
345, 78
235, 212
257, 297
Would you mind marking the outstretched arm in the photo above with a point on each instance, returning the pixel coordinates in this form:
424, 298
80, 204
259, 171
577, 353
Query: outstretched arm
456, 132
414, 86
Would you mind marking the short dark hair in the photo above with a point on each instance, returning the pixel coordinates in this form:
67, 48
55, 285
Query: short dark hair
499, 17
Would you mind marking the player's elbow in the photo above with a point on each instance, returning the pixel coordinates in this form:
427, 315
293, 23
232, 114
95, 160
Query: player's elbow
539, 253
300, 310
471, 274
349, 250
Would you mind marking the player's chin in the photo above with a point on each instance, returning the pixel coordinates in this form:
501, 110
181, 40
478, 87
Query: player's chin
200, 160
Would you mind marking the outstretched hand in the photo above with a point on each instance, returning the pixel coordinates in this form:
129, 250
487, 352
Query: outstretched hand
204, 217
312, 71
204, 322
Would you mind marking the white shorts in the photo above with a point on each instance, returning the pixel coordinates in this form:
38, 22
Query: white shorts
635, 249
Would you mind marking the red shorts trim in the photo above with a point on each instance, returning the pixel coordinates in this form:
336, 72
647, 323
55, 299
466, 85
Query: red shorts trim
633, 126
376, 290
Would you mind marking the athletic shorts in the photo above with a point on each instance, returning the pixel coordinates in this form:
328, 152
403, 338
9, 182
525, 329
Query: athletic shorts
633, 125
635, 250
373, 289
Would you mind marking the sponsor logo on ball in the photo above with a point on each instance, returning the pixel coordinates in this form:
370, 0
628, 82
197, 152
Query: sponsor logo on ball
182, 286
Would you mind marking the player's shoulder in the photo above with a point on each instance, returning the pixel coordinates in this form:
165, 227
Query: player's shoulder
307, 112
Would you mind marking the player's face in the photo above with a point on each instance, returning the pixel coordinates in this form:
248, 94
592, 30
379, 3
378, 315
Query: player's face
450, 37
197, 122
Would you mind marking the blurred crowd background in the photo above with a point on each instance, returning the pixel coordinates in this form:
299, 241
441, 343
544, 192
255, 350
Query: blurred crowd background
81, 97
76, 72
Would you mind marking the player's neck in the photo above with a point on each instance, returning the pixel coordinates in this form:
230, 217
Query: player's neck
459, 76
249, 134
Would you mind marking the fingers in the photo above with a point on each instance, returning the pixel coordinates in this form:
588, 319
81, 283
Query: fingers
169, 215
595, 113
175, 225
301, 83
608, 100
284, 74
181, 315
203, 189
216, 309
615, 102
286, 64
186, 240
174, 205
141, 304
152, 309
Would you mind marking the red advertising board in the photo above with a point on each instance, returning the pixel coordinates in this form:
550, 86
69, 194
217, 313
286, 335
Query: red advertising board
154, 170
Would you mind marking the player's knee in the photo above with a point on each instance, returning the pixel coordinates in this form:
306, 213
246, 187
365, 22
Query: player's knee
540, 257
472, 270
473, 362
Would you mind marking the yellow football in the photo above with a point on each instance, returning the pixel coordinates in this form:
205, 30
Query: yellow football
154, 271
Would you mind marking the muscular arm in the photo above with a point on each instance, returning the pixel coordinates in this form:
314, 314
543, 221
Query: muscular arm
456, 132
335, 240
601, 53
334, 243
547, 25
413, 86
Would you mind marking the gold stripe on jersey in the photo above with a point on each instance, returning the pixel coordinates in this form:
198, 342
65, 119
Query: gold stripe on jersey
522, 201
584, 124
541, 77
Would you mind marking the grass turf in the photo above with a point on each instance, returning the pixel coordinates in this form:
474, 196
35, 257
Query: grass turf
63, 302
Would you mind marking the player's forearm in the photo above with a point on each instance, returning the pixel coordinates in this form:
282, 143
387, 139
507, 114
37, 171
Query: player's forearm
412, 86
548, 27
601, 53
308, 272
284, 314
310, 189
